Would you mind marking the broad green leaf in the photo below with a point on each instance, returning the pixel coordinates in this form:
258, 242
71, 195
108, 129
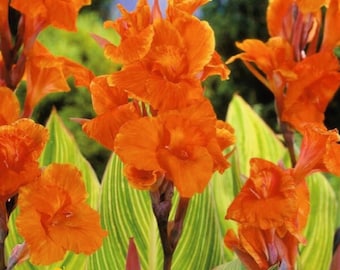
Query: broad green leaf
233, 265
334, 181
61, 148
126, 212
321, 225
254, 137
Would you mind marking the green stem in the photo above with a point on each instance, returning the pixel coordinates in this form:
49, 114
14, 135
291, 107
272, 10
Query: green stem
288, 136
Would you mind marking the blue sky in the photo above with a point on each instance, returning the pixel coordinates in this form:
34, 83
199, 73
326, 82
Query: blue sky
130, 4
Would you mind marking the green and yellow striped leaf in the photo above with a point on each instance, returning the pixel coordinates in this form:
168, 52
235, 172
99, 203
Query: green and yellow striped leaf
320, 229
126, 212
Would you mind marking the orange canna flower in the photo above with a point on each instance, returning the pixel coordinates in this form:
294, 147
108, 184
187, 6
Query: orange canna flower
181, 144
272, 210
9, 106
20, 146
136, 33
169, 76
274, 59
267, 199
46, 74
319, 151
308, 96
298, 22
113, 110
54, 216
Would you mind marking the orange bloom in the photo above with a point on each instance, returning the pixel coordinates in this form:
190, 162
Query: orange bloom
319, 151
136, 33
46, 73
274, 59
54, 216
298, 22
272, 210
9, 106
182, 144
113, 110
267, 199
169, 76
20, 146
307, 98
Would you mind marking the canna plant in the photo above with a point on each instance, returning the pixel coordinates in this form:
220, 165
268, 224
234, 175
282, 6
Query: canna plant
173, 195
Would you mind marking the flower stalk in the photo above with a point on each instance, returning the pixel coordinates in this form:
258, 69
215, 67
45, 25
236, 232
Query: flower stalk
170, 232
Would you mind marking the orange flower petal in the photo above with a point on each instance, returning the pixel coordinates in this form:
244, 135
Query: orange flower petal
44, 75
81, 232
9, 106
105, 97
105, 127
152, 88
274, 59
277, 12
317, 77
82, 76
45, 249
331, 37
199, 41
267, 199
215, 67
140, 153
54, 216
141, 179
307, 6
136, 34
20, 146
331, 158
250, 247
61, 14
316, 140
189, 169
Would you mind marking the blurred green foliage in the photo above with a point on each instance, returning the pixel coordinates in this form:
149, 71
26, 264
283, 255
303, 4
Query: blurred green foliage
236, 20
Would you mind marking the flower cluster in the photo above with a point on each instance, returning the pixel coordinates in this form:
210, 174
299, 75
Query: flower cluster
297, 63
153, 112
53, 215
298, 66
